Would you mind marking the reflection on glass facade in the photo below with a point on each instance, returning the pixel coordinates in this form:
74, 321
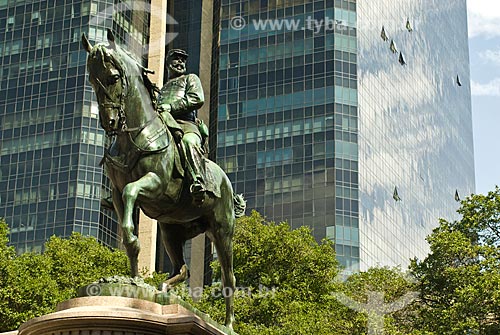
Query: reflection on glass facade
318, 125
50, 140
287, 115
187, 13
415, 123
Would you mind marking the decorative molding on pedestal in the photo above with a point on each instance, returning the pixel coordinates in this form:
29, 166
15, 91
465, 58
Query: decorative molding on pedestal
15, 332
115, 315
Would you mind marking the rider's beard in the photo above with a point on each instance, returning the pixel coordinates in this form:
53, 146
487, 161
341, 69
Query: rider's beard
176, 71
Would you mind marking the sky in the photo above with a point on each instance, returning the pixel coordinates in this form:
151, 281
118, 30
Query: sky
484, 53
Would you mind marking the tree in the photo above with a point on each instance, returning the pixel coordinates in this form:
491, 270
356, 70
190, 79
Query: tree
32, 284
78, 261
385, 299
27, 290
460, 278
287, 278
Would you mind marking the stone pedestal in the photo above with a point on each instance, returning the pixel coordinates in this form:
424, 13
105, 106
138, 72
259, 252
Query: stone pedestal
116, 315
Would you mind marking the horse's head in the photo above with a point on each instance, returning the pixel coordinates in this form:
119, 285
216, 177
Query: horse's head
107, 76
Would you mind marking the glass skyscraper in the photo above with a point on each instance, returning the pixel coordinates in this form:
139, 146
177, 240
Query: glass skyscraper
50, 141
351, 117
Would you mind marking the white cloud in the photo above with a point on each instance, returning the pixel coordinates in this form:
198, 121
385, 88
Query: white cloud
484, 18
491, 88
486, 8
490, 56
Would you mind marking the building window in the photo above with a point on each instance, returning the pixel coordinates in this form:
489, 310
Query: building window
10, 23
35, 18
408, 25
393, 47
402, 59
383, 34
395, 194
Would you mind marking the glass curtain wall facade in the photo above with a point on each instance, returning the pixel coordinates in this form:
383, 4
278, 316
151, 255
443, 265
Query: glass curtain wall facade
50, 141
287, 114
187, 13
330, 126
415, 123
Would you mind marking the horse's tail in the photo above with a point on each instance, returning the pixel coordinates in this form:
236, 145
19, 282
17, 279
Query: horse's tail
239, 205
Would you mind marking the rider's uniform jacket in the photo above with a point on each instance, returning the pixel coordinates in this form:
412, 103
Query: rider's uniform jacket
184, 94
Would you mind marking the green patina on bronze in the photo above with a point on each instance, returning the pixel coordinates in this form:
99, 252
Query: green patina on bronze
145, 166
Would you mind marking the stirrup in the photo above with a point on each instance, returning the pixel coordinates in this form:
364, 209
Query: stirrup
197, 192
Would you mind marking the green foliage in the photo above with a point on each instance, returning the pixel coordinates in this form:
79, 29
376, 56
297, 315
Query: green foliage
287, 278
27, 291
156, 279
396, 287
80, 260
32, 284
6, 252
460, 278
273, 255
458, 281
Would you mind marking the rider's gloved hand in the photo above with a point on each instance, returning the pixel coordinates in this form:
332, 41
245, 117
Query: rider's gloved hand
178, 136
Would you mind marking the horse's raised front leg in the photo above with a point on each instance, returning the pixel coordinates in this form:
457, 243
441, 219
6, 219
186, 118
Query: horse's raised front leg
148, 186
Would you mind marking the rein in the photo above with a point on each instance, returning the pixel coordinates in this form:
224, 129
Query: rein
122, 118
136, 151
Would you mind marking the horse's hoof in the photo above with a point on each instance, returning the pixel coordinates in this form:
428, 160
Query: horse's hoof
165, 287
229, 325
183, 275
135, 244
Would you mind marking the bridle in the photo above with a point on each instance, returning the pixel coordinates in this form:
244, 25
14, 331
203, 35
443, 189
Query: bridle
111, 103
122, 119
120, 105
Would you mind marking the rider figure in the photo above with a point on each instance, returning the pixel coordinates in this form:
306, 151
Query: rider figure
182, 96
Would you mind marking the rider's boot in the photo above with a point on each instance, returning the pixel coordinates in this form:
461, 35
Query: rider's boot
196, 168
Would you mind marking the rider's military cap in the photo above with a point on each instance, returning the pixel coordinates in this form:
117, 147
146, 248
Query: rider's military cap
179, 52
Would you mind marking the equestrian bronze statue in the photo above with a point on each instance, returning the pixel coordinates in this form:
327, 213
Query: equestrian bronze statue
150, 169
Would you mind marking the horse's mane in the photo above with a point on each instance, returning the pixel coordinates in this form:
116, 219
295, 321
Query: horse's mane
151, 87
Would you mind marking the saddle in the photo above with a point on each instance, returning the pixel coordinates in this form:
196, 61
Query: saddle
210, 180
155, 140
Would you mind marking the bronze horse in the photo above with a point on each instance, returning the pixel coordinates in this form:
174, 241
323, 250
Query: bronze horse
141, 165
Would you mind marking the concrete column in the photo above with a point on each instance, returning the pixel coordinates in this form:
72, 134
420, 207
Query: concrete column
148, 228
157, 34
197, 265
207, 12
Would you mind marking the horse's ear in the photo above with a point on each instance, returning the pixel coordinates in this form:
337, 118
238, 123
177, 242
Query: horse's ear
111, 39
86, 44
